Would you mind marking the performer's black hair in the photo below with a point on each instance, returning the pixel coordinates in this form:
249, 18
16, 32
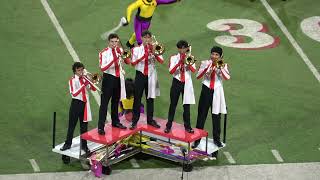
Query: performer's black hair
146, 32
182, 44
113, 35
76, 65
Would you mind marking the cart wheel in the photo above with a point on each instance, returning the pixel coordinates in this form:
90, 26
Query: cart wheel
65, 159
187, 167
106, 170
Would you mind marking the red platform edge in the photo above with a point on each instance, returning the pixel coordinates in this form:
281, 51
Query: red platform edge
115, 134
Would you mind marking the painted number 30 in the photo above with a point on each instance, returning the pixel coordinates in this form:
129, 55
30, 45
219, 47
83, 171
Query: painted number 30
244, 34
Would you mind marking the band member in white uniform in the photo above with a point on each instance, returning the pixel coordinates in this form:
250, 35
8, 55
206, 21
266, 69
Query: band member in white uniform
212, 94
181, 84
113, 83
80, 106
144, 60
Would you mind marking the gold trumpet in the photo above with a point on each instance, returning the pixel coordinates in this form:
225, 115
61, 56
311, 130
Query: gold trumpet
190, 59
158, 48
219, 63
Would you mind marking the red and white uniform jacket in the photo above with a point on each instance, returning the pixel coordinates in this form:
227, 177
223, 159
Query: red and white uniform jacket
79, 91
182, 72
110, 62
145, 62
212, 78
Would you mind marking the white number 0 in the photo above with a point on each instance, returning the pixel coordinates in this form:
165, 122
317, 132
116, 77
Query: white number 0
311, 27
252, 29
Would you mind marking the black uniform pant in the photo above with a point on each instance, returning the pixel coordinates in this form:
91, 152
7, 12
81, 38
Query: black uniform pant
177, 88
110, 89
205, 102
76, 112
141, 84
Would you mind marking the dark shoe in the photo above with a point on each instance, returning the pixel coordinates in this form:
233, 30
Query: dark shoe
196, 144
86, 149
120, 126
65, 147
133, 126
101, 132
167, 130
153, 123
190, 130
218, 143
129, 45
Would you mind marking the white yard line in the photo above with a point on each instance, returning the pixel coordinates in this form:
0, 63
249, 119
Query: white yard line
134, 163
292, 40
67, 43
276, 154
34, 165
229, 157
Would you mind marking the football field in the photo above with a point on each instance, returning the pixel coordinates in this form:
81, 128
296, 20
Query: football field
272, 48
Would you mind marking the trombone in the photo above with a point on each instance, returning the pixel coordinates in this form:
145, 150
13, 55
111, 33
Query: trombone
94, 79
190, 59
124, 55
158, 48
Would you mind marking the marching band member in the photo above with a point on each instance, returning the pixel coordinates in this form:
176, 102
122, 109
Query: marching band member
181, 84
144, 59
113, 84
143, 17
80, 106
212, 94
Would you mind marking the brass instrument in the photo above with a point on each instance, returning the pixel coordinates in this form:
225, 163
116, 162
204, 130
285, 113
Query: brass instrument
158, 48
124, 55
126, 52
94, 79
190, 59
219, 63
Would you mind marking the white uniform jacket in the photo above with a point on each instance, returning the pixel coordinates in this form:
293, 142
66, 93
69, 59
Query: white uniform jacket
213, 78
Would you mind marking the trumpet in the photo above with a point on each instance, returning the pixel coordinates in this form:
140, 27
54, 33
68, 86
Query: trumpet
94, 79
219, 63
158, 48
190, 59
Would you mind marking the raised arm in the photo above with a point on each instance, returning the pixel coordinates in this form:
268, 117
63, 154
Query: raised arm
166, 1
131, 8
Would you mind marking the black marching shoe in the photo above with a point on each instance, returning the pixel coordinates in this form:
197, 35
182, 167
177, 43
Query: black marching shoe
86, 149
101, 132
218, 143
153, 123
167, 130
196, 144
120, 126
189, 130
133, 126
65, 147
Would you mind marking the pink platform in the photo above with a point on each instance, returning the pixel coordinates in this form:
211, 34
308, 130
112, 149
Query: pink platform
115, 134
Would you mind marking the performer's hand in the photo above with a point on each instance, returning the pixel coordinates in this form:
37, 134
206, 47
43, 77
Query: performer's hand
86, 82
124, 21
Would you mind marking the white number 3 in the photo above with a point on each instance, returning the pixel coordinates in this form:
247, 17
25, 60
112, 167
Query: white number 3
239, 35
